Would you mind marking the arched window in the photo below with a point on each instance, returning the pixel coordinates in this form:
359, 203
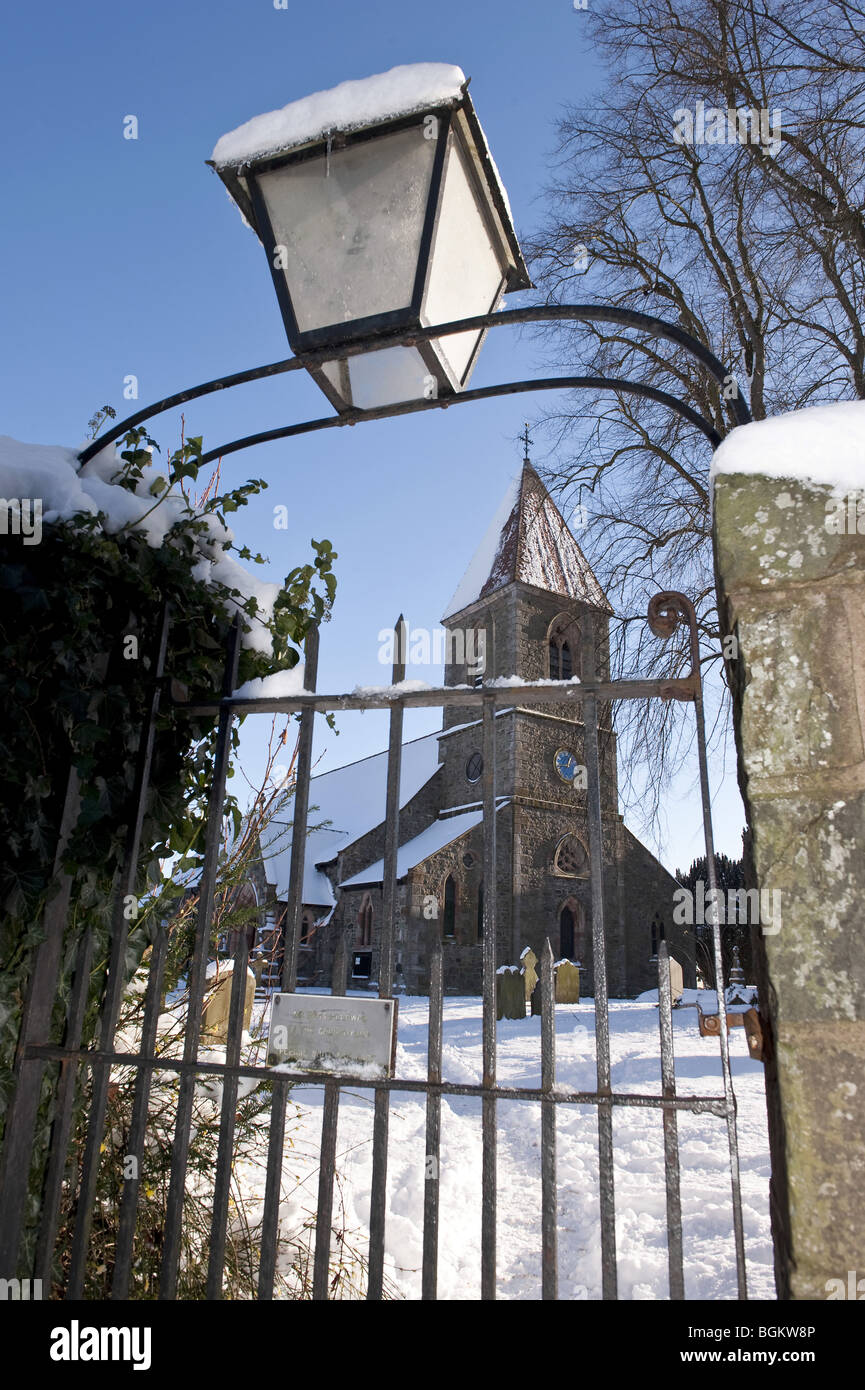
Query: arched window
364, 922
571, 858
561, 661
305, 927
567, 927
481, 910
449, 916
575, 942
564, 649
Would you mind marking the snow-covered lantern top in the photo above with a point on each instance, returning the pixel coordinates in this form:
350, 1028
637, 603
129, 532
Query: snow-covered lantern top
379, 206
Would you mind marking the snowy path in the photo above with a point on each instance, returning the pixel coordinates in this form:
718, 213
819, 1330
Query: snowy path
639, 1173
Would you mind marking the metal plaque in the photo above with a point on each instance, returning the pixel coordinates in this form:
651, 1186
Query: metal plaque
333, 1034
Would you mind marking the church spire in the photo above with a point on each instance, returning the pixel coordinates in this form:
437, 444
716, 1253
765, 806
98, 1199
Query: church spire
528, 542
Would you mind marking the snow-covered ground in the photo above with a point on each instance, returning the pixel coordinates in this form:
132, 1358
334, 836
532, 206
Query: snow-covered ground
639, 1172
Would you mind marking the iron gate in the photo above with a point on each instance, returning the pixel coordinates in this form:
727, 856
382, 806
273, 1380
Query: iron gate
36, 1053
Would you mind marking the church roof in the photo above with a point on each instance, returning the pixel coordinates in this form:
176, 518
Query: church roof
442, 832
528, 542
352, 800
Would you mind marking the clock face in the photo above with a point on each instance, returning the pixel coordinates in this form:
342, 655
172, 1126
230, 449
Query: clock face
566, 764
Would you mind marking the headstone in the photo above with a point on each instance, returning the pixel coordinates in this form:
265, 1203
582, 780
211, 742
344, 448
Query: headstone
676, 980
214, 1019
529, 962
567, 982
536, 1001
510, 992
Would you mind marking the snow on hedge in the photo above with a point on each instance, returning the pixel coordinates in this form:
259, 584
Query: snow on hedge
281, 685
824, 444
365, 101
51, 474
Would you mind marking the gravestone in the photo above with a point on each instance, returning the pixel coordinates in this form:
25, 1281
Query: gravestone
567, 982
510, 992
214, 1019
536, 1001
676, 980
529, 962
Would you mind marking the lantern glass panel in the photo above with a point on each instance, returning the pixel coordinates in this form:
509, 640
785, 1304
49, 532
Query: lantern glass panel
465, 271
387, 377
378, 378
351, 224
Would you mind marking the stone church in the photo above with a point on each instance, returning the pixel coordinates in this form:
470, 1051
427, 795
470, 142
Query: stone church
527, 601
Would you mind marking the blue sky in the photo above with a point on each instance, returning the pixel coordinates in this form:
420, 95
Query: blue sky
125, 257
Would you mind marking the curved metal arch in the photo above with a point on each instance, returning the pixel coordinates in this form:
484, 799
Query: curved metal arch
588, 313
480, 393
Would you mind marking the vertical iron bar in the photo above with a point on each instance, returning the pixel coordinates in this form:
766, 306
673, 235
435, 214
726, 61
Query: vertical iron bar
272, 1186
385, 986
729, 1096
429, 1278
227, 1121
294, 910
186, 1096
340, 966
324, 1211
101, 1072
61, 1128
138, 1123
35, 1028
609, 1273
549, 1205
671, 1130
488, 1103
291, 940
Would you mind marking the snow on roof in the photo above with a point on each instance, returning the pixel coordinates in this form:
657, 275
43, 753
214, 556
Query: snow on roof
349, 106
352, 799
483, 561
52, 474
429, 841
823, 444
528, 542
321, 845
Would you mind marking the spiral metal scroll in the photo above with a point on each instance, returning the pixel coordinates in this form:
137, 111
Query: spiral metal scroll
666, 611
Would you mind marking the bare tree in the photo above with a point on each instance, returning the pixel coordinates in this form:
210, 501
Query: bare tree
717, 182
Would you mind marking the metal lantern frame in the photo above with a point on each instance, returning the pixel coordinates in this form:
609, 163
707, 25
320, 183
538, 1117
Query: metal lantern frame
455, 121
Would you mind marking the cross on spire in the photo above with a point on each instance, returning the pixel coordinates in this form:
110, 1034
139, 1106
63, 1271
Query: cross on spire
526, 442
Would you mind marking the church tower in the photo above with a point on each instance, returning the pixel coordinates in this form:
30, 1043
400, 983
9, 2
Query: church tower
530, 606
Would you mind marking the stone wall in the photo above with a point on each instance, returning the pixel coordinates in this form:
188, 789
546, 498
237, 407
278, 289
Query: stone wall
793, 595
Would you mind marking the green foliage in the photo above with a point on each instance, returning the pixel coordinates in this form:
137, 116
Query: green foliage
98, 418
729, 874
75, 691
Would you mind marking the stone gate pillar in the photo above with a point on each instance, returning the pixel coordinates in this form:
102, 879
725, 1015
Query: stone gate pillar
792, 594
